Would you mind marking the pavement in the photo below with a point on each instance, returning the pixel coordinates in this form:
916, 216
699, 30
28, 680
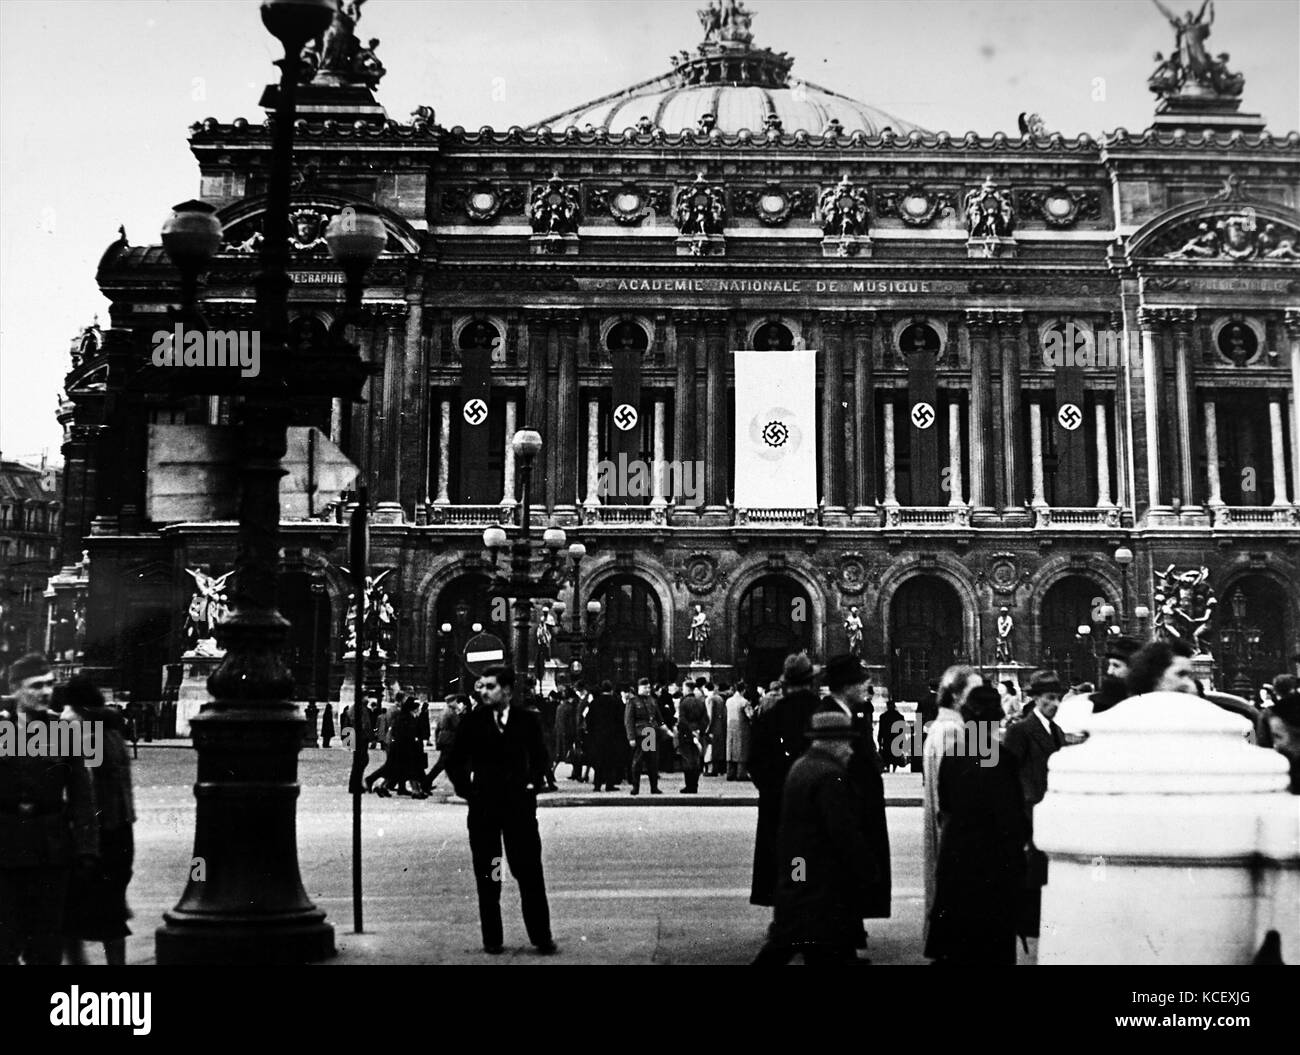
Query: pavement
663, 882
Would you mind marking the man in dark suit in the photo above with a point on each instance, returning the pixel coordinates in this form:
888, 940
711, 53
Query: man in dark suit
497, 765
692, 724
47, 819
1030, 742
827, 868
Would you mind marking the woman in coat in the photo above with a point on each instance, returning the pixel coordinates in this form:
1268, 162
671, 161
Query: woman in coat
981, 867
739, 710
894, 747
327, 725
96, 900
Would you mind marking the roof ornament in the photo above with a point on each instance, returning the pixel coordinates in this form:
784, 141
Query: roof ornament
727, 22
337, 58
1190, 70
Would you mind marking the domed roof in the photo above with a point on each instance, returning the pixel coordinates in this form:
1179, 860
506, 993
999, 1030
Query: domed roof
729, 85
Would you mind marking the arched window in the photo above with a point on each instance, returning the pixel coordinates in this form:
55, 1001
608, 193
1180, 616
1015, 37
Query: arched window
773, 337
774, 620
629, 630
627, 336
919, 337
925, 635
479, 335
1069, 604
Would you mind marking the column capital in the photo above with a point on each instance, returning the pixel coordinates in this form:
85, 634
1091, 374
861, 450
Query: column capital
1182, 318
1150, 318
1009, 317
1292, 323
979, 322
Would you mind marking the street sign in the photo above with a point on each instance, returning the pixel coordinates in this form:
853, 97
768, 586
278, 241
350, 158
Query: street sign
194, 473
483, 651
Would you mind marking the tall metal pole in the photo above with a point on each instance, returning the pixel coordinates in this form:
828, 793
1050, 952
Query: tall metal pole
247, 903
519, 561
359, 543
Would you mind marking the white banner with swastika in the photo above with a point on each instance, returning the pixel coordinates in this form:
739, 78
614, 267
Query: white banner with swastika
776, 430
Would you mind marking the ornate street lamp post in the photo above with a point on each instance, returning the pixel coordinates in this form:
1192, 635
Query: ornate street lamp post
244, 902
531, 575
1124, 557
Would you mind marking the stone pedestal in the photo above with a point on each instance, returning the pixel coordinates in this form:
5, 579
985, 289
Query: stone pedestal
553, 245
1203, 671
551, 670
986, 248
709, 671
193, 692
846, 245
1016, 673
375, 680
701, 245
1170, 840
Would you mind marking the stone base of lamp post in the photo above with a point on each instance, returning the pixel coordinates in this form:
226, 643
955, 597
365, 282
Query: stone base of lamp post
1016, 673
374, 679
1203, 667
244, 902
551, 670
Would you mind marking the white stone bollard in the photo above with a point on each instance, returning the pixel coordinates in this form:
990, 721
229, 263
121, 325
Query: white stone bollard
1170, 840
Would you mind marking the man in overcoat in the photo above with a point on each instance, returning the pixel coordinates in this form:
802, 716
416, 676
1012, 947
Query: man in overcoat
827, 869
47, 819
497, 765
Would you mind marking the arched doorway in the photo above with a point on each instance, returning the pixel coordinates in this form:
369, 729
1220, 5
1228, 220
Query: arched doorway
925, 635
629, 631
774, 620
304, 601
1252, 631
1069, 604
466, 606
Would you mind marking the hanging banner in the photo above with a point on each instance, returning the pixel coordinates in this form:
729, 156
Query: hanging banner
1071, 436
776, 430
625, 425
478, 484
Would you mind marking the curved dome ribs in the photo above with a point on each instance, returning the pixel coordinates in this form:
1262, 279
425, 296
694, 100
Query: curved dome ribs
740, 86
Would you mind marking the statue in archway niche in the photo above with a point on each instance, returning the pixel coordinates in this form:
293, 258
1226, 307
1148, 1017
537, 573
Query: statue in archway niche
546, 627
698, 636
377, 615
853, 631
208, 607
1184, 606
1006, 625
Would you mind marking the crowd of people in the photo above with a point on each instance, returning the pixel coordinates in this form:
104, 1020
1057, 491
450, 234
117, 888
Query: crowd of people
812, 746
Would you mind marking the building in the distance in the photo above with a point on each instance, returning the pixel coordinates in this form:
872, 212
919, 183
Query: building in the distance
31, 508
1049, 374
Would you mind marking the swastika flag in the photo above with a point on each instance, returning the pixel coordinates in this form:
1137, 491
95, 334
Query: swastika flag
776, 430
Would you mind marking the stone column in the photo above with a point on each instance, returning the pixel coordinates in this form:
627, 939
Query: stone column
444, 453
1148, 320
715, 421
412, 421
1183, 319
954, 455
508, 488
684, 419
865, 336
981, 417
1009, 344
832, 418
390, 463
659, 463
891, 479
1279, 453
566, 431
1212, 453
1293, 335
593, 455
1103, 456
1036, 498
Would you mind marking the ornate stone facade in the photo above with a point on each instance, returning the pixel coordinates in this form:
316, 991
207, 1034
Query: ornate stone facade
961, 468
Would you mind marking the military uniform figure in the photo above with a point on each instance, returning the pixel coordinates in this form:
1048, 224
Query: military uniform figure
47, 821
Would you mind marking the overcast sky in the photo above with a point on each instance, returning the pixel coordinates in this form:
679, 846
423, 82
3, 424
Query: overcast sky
96, 97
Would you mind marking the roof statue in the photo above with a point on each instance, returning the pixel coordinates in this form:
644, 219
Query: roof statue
727, 22
337, 57
1190, 69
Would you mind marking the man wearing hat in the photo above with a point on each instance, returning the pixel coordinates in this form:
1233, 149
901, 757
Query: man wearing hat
1119, 650
47, 822
826, 867
777, 739
850, 695
1031, 742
